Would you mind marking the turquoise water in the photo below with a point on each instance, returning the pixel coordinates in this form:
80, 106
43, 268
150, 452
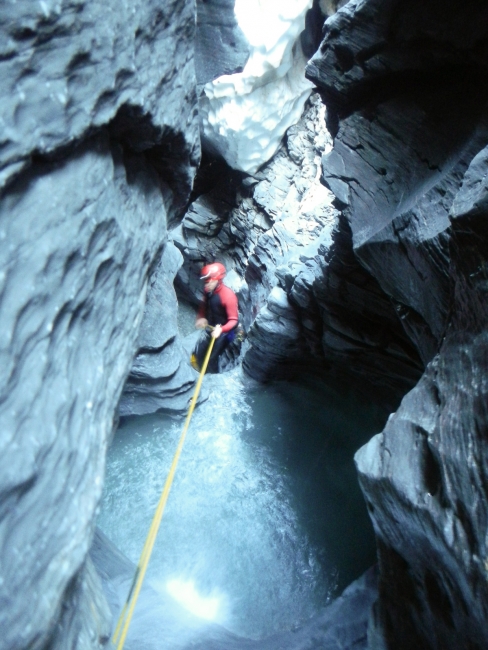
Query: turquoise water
265, 521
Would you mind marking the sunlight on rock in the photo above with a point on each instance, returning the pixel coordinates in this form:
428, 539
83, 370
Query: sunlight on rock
245, 115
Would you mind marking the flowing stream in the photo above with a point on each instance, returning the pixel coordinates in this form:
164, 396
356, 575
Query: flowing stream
265, 522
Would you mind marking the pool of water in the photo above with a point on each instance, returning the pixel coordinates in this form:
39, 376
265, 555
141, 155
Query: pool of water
265, 522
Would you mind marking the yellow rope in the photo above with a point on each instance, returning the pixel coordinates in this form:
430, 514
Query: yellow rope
128, 609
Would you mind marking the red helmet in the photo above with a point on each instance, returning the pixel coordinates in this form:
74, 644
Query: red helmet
215, 271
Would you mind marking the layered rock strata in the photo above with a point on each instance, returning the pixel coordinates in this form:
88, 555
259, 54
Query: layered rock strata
310, 302
405, 85
99, 131
161, 378
255, 223
431, 460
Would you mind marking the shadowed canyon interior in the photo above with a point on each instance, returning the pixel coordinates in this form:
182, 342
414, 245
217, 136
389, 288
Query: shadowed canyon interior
333, 156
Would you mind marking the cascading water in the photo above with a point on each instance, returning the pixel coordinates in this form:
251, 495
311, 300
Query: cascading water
265, 520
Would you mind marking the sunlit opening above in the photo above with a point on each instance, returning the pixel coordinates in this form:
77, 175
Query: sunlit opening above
264, 21
245, 115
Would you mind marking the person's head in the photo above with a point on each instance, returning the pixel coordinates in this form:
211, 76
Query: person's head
212, 275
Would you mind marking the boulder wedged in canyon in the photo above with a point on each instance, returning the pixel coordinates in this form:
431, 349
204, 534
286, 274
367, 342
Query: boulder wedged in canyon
99, 148
405, 86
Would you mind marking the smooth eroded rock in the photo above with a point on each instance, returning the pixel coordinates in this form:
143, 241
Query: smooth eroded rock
72, 295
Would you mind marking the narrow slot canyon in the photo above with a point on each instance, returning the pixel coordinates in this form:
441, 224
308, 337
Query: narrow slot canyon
323, 164
265, 525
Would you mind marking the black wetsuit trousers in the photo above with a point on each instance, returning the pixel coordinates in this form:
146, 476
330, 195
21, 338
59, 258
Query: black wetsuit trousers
201, 350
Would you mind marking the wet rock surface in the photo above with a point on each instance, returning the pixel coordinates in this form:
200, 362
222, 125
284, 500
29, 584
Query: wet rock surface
70, 68
91, 158
161, 377
430, 462
408, 168
365, 259
71, 306
401, 149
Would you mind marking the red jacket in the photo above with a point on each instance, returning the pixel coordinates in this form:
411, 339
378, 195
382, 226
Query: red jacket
220, 308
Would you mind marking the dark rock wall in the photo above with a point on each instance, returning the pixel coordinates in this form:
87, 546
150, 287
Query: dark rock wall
358, 330
425, 475
69, 67
99, 147
161, 378
220, 46
405, 85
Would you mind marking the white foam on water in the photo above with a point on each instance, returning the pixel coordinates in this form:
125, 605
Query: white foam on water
231, 547
186, 594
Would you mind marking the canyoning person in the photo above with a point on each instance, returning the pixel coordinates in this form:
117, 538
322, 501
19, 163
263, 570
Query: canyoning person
217, 315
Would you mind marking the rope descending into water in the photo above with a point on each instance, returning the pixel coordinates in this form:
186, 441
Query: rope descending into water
128, 609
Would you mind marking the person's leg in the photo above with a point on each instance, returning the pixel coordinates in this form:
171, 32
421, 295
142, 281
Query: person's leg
201, 350
219, 346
